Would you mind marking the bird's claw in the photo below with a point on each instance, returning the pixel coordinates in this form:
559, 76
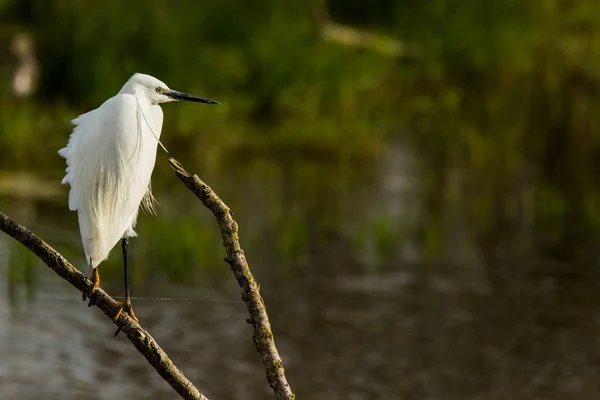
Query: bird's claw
124, 306
95, 285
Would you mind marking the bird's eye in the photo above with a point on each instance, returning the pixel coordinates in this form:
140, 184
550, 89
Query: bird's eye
159, 90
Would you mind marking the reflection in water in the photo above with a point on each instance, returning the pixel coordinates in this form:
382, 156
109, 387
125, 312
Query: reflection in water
362, 304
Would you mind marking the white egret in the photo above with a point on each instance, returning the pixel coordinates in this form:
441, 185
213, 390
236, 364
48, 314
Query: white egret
110, 156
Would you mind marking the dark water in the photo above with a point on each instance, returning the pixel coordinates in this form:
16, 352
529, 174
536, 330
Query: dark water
369, 295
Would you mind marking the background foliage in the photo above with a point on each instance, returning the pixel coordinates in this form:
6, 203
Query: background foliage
500, 88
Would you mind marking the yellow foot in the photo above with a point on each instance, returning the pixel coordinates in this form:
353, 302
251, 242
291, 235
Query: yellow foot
96, 284
124, 306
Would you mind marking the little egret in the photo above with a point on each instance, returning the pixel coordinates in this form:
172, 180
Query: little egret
110, 156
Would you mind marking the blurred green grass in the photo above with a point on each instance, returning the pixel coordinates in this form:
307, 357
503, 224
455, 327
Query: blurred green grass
500, 105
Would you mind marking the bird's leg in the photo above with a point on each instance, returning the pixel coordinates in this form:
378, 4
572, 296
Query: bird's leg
96, 283
125, 304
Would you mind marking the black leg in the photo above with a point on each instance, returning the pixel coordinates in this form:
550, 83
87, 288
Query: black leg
125, 304
125, 246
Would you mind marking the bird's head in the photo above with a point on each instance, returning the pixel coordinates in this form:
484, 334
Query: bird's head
157, 92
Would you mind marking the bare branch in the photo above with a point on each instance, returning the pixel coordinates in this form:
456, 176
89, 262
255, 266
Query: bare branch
263, 336
138, 336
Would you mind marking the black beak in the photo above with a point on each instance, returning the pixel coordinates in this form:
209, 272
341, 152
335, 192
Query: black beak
174, 94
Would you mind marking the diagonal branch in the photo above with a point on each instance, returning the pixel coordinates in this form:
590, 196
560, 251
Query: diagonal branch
138, 336
263, 337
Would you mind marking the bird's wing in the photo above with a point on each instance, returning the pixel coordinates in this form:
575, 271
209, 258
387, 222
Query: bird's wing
102, 156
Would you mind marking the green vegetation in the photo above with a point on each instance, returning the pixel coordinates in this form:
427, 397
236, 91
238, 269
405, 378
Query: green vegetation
499, 104
280, 84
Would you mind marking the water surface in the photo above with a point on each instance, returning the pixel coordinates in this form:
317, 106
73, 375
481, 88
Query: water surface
374, 290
